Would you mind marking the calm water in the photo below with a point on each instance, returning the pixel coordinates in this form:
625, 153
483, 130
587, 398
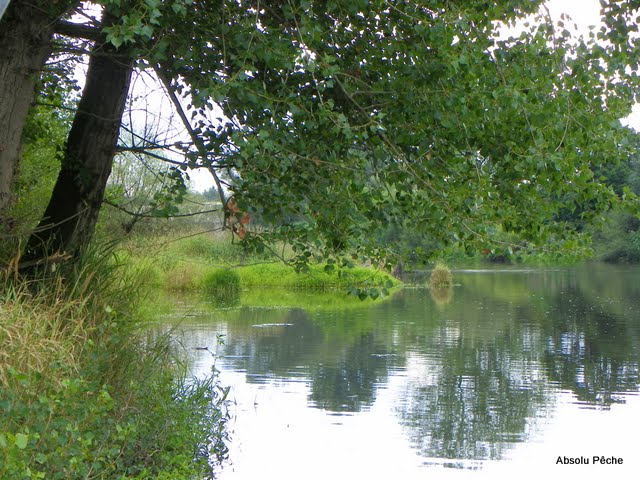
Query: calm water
494, 378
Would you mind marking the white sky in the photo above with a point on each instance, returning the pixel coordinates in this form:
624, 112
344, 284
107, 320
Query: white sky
582, 12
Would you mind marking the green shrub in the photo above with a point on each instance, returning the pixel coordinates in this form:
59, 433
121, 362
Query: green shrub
221, 279
618, 239
81, 429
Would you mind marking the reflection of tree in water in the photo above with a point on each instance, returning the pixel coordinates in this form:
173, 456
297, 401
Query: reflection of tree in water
349, 383
591, 351
518, 340
272, 342
478, 402
476, 386
343, 369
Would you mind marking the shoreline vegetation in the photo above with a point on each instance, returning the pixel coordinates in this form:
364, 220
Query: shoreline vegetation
87, 391
309, 152
212, 263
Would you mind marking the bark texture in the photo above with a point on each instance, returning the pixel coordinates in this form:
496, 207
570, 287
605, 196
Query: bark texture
26, 30
69, 221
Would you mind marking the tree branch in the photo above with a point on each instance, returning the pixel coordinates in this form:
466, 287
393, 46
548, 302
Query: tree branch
148, 215
79, 30
197, 141
144, 151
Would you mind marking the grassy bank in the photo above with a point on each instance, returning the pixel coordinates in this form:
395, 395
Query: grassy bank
316, 278
212, 263
86, 393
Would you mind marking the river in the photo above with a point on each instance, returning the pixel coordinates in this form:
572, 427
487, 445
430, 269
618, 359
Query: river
511, 372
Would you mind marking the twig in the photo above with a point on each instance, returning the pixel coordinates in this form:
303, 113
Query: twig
197, 141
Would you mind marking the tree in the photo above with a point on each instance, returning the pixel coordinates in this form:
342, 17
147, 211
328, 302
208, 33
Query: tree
143, 187
342, 116
69, 220
335, 117
26, 30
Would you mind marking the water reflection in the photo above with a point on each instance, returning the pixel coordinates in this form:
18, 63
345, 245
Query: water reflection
270, 343
466, 376
590, 348
483, 385
349, 383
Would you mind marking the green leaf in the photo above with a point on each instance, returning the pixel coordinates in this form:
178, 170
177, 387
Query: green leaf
21, 440
116, 40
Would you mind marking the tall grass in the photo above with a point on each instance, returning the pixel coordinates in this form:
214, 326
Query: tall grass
38, 331
441, 277
86, 392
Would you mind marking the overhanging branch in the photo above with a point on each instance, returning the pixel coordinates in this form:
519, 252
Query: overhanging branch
79, 30
197, 141
148, 213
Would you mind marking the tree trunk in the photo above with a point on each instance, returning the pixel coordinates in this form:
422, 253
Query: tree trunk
70, 219
26, 29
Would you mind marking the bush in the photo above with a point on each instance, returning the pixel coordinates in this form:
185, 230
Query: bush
441, 276
618, 239
221, 279
81, 429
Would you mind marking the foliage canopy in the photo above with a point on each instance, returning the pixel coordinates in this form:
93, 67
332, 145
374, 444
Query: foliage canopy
325, 121
334, 118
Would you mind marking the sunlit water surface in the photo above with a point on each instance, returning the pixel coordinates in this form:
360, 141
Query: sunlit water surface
494, 378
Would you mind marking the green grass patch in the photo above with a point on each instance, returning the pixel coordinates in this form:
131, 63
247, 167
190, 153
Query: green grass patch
212, 263
221, 279
317, 277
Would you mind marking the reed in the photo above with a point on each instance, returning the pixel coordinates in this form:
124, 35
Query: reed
41, 330
441, 277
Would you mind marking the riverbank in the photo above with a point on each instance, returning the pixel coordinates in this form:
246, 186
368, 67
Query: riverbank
210, 263
86, 392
